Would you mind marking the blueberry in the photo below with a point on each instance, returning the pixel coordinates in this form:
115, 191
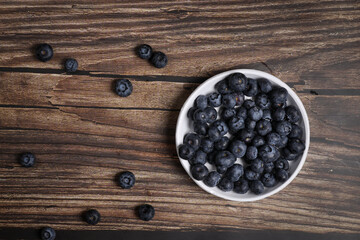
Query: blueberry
126, 180
146, 212
238, 148
257, 187
234, 172
250, 124
200, 116
264, 85
47, 233
278, 97
207, 145
292, 114
227, 113
92, 217
281, 175
268, 153
239, 98
237, 82
283, 142
251, 153
268, 180
225, 158
278, 114
123, 87
251, 175
222, 144
288, 155
241, 112
159, 59
44, 52
71, 65
228, 100
235, 124
296, 132
255, 113
241, 186
225, 185
186, 151
222, 87
198, 158
221, 126
257, 166
201, 102
273, 139
268, 167
251, 88
190, 113
283, 128
212, 179
221, 169
263, 127
144, 51
246, 135
211, 157
258, 141
214, 134
249, 104
212, 114
201, 128
27, 159
199, 171
193, 140
262, 101
281, 164
295, 145
267, 115
214, 99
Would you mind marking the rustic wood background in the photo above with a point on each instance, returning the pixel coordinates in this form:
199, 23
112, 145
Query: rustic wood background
83, 134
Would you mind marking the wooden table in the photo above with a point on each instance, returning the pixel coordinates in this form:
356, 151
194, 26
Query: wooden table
83, 134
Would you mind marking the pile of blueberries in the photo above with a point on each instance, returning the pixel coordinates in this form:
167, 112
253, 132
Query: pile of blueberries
254, 123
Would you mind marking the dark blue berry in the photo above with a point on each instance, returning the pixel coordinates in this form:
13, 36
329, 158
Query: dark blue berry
251, 153
262, 101
193, 140
159, 59
201, 102
225, 158
214, 99
283, 128
225, 185
255, 113
200, 116
212, 179
146, 212
212, 114
251, 88
268, 180
237, 82
222, 144
186, 151
268, 153
241, 112
283, 142
228, 100
258, 141
123, 87
214, 134
234, 172
246, 135
126, 180
221, 169
199, 171
267, 115
190, 113
238, 148
221, 126
288, 155
47, 233
27, 159
235, 124
44, 52
268, 167
257, 166
273, 139
257, 187
296, 132
251, 175
92, 217
295, 145
263, 127
239, 98
264, 85
281, 175
281, 164
278, 97
249, 104
201, 128
144, 51
207, 145
71, 65
241, 186
278, 114
198, 158
292, 114
227, 113
211, 157
250, 124
222, 87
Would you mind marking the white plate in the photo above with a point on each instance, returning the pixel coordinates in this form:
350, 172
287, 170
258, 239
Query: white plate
185, 125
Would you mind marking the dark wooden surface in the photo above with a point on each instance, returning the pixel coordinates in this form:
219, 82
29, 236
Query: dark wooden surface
83, 134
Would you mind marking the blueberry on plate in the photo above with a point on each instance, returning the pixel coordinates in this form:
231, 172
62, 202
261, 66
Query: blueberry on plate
239, 97
199, 171
221, 126
44, 52
144, 51
281, 175
222, 87
251, 153
273, 139
296, 131
237, 82
263, 127
278, 114
249, 104
212, 179
159, 59
225, 158
211, 157
221, 169
214, 99
267, 115
264, 85
225, 185
186, 151
207, 145
71, 65
238, 148
268, 167
126, 180
292, 114
193, 140
268, 180
295, 145
212, 114
257, 166
123, 87
250, 124
258, 141
283, 128
198, 158
235, 124
250, 174
201, 102
200, 116
27, 159
288, 155
257, 187
227, 113
201, 128
255, 113
283, 142
234, 172
92, 217
241, 112
214, 134
241, 186
229, 100
281, 164
278, 97
268, 153
190, 113
146, 212
252, 87
262, 101
47, 233
246, 135
222, 144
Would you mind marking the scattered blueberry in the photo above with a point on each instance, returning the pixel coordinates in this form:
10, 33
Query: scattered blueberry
199, 171
227, 113
214, 99
241, 186
207, 145
239, 98
159, 59
249, 104
288, 155
234, 172
201, 128
268, 167
295, 145
262, 101
222, 144
186, 151
255, 113
296, 131
221, 169
258, 141
257, 187
221, 126
225, 158
190, 113
250, 124
281, 175
268, 180
267, 115
281, 164
222, 87
200, 116
193, 140
212, 114
251, 153
241, 112
251, 88
212, 179
27, 159
246, 135
211, 157
92, 217
123, 87
225, 185
237, 82
47, 233
214, 134
264, 85
292, 114
235, 124
201, 102
278, 97
144, 51
198, 158
268, 153
250, 174
146, 212
283, 141
229, 100
273, 139
71, 65
283, 128
238, 148
263, 127
278, 114
44, 52
126, 180
257, 166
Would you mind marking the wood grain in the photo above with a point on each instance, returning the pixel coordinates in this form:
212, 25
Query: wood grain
83, 134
